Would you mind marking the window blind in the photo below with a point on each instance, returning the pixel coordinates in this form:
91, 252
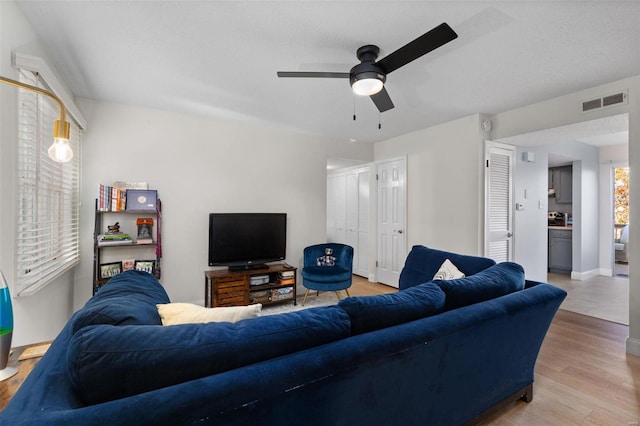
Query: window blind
48, 194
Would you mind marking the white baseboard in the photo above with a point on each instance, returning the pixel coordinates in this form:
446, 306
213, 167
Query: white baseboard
605, 272
633, 346
372, 278
581, 276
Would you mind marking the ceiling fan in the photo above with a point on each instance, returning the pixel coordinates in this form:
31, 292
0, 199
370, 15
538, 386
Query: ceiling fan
368, 77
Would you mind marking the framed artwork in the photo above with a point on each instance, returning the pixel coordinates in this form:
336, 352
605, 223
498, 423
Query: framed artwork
144, 265
128, 264
108, 270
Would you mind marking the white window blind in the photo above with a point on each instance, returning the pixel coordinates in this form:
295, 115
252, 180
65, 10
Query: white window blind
48, 194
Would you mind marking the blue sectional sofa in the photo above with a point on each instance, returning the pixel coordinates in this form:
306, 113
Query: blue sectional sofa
436, 352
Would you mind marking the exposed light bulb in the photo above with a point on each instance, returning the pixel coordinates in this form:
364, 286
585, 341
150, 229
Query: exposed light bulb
367, 86
60, 150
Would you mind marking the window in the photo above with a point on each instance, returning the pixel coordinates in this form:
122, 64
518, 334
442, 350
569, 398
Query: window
47, 196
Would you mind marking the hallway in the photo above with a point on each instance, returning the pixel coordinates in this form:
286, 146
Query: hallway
601, 297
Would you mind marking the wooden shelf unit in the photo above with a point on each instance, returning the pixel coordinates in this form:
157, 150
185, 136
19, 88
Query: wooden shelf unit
223, 287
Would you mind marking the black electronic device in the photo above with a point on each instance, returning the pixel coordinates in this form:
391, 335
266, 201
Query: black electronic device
247, 240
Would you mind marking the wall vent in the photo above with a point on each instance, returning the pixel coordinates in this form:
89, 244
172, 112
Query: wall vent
606, 101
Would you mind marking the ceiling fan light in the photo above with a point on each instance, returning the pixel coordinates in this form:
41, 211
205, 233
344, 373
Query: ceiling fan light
367, 86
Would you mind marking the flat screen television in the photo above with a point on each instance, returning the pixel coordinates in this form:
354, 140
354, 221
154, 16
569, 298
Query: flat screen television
247, 240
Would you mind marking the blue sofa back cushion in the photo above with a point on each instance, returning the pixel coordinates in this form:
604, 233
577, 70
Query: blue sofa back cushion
495, 281
368, 313
105, 363
422, 264
128, 298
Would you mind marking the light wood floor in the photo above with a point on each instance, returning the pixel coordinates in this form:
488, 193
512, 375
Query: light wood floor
583, 374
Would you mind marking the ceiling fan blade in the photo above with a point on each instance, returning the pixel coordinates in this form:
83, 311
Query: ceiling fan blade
311, 74
382, 100
431, 40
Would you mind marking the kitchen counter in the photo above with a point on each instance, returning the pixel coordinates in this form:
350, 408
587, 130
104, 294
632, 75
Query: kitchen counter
567, 228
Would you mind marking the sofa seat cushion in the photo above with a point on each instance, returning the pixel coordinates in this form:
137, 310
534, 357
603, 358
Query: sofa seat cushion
105, 362
495, 281
327, 274
422, 264
368, 313
128, 298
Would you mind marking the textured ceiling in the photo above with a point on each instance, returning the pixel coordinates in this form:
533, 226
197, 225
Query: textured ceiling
219, 58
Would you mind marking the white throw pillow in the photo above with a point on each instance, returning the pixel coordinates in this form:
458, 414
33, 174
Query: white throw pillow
448, 271
188, 313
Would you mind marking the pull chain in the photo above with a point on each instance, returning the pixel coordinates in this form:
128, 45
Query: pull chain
354, 107
379, 124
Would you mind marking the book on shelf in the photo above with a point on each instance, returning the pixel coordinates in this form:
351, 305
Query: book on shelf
144, 241
111, 199
287, 274
114, 239
284, 281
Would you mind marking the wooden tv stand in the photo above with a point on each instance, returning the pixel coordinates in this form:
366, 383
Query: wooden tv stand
223, 287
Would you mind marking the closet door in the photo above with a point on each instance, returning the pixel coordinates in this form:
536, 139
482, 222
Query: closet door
348, 214
363, 224
336, 208
352, 216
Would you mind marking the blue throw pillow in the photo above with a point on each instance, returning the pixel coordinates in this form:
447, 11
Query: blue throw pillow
422, 264
368, 313
128, 298
496, 281
105, 363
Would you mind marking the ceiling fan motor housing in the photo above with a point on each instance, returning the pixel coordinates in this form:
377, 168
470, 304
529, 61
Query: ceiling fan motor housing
367, 68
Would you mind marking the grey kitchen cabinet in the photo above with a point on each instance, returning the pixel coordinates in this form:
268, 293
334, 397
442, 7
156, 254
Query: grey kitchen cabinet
560, 179
560, 253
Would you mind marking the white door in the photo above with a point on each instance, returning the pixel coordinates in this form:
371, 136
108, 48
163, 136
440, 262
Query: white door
336, 208
499, 201
351, 228
363, 224
392, 235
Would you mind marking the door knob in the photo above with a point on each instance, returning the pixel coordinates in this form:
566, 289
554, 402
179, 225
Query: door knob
399, 231
509, 234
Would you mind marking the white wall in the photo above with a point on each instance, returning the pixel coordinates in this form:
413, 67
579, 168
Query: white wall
41, 316
530, 224
566, 110
445, 180
202, 165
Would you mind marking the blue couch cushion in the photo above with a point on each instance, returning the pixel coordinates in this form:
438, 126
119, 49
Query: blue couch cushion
368, 313
105, 362
422, 264
495, 281
128, 298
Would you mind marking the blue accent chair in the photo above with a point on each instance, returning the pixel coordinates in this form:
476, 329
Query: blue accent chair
327, 267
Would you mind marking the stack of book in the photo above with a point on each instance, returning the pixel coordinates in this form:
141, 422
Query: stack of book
286, 277
112, 199
117, 239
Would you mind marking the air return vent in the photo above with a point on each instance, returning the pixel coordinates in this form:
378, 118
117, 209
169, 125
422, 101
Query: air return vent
606, 101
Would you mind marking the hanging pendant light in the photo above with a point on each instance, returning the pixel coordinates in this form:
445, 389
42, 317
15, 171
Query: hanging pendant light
60, 151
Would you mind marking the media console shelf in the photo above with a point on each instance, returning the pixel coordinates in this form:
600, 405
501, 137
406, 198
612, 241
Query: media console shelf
223, 287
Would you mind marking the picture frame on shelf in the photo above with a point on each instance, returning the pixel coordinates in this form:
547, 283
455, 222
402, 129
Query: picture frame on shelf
108, 270
145, 265
128, 264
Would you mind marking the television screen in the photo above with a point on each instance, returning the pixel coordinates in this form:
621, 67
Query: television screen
246, 240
